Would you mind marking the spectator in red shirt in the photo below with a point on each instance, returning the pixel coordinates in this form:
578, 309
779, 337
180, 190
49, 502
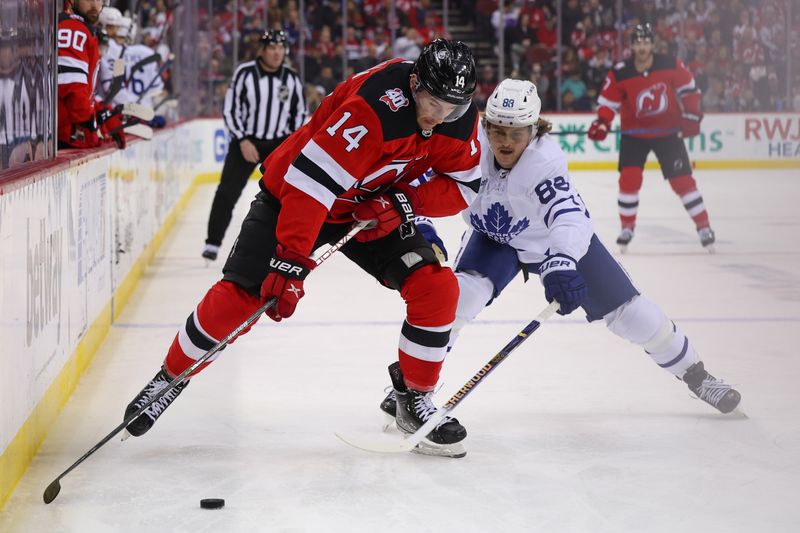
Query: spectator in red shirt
547, 33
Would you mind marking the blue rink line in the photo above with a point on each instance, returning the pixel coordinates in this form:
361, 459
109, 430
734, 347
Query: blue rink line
520, 322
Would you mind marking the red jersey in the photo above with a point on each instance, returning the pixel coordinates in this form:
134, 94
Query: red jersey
655, 100
78, 55
363, 138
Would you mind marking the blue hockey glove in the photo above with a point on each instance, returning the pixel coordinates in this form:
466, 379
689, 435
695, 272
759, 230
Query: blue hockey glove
158, 122
425, 226
562, 282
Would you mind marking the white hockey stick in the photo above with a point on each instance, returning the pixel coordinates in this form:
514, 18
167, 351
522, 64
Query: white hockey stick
140, 111
410, 442
143, 131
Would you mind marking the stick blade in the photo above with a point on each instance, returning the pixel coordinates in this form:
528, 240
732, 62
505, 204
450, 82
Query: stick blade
51, 491
139, 111
140, 130
386, 445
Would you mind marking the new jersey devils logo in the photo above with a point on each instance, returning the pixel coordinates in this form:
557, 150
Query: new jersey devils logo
395, 99
652, 101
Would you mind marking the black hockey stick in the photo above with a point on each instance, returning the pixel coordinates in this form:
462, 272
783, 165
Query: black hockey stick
152, 58
158, 75
52, 490
117, 79
165, 100
410, 442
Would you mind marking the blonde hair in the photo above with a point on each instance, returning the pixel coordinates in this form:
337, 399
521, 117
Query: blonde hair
543, 126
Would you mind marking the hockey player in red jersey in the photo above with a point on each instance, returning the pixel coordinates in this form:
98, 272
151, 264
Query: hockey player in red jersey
78, 55
659, 105
375, 133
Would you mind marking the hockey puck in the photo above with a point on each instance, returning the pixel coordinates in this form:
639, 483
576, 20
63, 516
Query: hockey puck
212, 503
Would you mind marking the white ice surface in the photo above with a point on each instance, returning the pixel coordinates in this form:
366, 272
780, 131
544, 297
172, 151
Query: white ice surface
577, 431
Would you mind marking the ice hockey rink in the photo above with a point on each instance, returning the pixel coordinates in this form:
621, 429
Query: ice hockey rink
577, 431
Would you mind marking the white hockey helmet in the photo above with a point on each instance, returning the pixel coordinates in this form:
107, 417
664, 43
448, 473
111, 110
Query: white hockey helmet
126, 28
110, 16
514, 103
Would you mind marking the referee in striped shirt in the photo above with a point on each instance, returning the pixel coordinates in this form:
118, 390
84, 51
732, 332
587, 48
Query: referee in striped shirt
264, 104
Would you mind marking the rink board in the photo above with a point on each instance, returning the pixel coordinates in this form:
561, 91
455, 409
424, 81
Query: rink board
73, 246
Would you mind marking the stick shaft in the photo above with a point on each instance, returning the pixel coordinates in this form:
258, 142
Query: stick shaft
325, 255
417, 437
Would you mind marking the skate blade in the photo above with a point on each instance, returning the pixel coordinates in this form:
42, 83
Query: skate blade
453, 451
623, 248
738, 414
125, 435
710, 248
388, 422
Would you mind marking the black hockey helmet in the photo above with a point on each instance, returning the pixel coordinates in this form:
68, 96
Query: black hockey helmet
446, 69
642, 32
274, 37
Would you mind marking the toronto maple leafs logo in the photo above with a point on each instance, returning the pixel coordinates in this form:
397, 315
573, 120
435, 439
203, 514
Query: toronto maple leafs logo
496, 224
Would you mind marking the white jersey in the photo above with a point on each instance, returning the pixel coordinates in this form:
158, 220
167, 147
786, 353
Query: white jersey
534, 207
142, 79
105, 73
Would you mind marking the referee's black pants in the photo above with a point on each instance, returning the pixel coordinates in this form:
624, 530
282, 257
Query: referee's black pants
235, 173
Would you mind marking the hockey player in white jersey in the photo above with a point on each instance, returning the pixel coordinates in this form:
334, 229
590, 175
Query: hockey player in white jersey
142, 65
528, 217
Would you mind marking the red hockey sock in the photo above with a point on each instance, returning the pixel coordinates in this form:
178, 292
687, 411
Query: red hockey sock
224, 307
686, 188
630, 181
431, 296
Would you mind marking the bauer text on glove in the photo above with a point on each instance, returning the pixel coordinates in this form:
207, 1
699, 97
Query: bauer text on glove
563, 283
385, 212
287, 271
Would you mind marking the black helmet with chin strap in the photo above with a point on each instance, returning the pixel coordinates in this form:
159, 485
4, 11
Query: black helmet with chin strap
642, 32
446, 69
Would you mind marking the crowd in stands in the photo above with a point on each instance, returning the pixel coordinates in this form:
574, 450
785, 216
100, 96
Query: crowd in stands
737, 49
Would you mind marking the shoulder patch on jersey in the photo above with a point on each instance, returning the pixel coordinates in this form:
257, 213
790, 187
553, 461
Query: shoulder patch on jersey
396, 123
395, 99
283, 93
462, 128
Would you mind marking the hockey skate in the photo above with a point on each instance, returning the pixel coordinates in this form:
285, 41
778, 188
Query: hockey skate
711, 390
707, 239
624, 238
412, 409
389, 407
145, 421
210, 252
